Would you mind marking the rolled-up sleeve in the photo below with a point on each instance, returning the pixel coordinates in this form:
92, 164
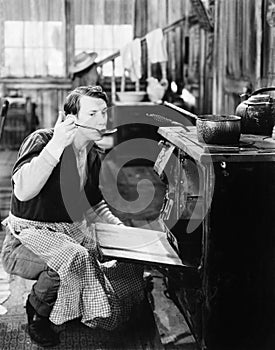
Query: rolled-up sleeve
32, 176
33, 166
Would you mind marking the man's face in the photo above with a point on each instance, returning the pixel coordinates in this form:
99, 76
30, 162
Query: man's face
92, 113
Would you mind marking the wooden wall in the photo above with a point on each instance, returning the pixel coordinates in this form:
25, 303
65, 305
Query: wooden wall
187, 49
239, 54
244, 51
189, 46
48, 96
153, 14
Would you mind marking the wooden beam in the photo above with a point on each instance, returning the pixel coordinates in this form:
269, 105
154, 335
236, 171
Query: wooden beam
113, 82
203, 15
259, 31
2, 37
32, 83
69, 34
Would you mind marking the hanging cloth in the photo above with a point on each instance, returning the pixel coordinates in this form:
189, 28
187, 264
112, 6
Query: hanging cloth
156, 46
131, 59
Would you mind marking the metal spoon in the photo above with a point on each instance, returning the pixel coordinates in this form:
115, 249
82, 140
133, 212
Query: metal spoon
162, 119
105, 133
181, 110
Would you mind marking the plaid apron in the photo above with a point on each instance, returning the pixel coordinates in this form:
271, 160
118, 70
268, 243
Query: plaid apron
101, 294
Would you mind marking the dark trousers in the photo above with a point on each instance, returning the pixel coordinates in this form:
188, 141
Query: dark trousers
21, 261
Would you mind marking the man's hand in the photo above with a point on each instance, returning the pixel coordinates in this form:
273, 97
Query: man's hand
64, 131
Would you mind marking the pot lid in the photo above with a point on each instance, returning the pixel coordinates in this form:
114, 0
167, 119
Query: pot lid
259, 98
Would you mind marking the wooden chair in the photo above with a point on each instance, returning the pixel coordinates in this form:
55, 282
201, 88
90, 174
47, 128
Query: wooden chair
4, 106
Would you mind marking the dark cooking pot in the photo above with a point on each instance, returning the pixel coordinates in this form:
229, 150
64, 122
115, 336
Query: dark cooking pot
219, 129
257, 112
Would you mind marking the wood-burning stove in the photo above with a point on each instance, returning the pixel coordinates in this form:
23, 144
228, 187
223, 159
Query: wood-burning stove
220, 205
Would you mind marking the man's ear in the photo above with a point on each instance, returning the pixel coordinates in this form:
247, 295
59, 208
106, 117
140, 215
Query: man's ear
73, 116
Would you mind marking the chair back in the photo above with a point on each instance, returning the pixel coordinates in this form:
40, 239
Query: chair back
4, 106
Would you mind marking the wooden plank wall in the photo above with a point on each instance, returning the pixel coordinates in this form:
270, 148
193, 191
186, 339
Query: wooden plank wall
268, 53
187, 45
162, 13
244, 51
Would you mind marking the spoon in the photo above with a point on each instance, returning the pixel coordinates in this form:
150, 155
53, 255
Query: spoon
105, 133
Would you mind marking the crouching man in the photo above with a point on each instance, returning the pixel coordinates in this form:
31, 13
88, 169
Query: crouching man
49, 237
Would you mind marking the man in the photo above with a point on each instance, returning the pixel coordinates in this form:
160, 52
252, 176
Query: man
49, 236
84, 69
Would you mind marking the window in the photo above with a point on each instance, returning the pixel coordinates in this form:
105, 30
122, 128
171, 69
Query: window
33, 38
33, 49
104, 40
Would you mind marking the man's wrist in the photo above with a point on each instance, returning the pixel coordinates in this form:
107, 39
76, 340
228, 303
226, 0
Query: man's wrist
54, 149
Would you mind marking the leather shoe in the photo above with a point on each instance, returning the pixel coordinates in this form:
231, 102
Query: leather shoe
39, 328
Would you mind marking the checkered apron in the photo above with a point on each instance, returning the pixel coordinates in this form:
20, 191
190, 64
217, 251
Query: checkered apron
101, 294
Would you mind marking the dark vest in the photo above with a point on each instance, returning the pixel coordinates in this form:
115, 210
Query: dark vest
60, 200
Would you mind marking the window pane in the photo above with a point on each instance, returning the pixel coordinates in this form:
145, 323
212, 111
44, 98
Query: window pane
105, 37
34, 58
14, 34
33, 34
122, 35
55, 62
53, 34
99, 36
14, 59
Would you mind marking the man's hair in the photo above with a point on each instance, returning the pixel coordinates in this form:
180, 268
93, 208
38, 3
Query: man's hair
72, 104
